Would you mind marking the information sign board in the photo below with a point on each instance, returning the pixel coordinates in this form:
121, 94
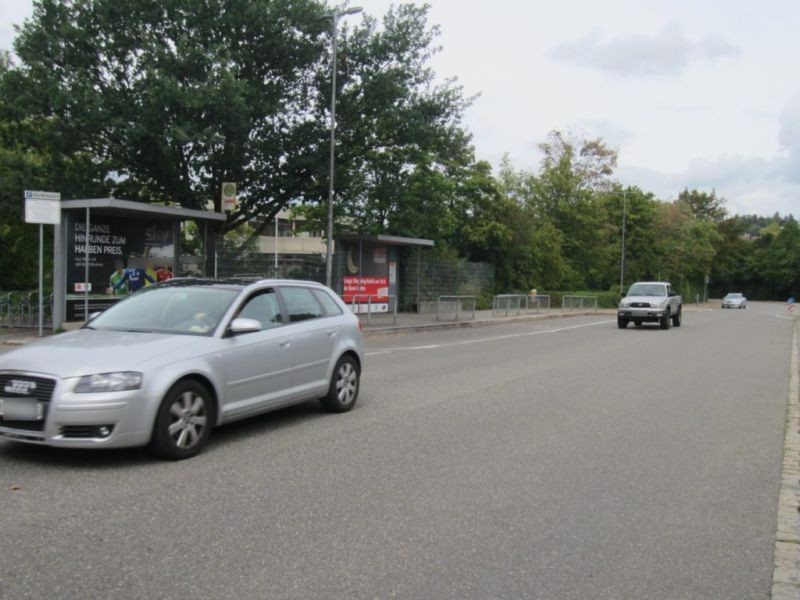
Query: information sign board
42, 207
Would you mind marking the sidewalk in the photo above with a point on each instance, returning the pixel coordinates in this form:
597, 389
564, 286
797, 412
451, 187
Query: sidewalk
16, 336
379, 324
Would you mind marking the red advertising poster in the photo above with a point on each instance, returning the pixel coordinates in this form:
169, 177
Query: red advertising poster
361, 292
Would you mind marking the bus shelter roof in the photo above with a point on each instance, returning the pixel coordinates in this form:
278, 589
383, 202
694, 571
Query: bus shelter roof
116, 206
389, 240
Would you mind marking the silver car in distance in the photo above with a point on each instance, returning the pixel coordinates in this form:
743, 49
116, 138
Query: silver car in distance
169, 363
734, 300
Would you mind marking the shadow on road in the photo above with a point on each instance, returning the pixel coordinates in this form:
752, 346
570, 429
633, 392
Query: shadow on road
116, 458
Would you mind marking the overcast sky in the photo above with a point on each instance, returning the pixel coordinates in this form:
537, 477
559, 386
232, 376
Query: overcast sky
693, 94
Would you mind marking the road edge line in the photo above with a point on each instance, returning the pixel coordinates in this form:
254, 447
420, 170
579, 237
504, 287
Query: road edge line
786, 560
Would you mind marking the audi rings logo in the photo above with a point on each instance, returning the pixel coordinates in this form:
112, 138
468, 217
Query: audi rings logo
21, 387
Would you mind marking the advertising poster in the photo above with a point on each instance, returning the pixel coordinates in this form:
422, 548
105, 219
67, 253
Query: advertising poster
124, 255
363, 293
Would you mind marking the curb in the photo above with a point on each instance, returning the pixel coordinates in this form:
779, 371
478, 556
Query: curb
397, 329
17, 339
786, 573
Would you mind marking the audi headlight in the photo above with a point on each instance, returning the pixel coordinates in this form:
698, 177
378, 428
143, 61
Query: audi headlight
109, 382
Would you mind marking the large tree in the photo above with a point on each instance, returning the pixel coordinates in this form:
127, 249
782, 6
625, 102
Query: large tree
686, 246
175, 97
33, 155
401, 146
565, 192
702, 205
732, 259
779, 265
592, 161
637, 209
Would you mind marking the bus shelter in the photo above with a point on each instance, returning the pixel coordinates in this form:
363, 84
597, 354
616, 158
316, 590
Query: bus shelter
105, 248
369, 267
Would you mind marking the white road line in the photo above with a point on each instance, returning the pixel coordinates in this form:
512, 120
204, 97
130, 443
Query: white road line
583, 325
377, 352
489, 339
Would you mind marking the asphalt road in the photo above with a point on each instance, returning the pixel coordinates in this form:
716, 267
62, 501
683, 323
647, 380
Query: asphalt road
557, 459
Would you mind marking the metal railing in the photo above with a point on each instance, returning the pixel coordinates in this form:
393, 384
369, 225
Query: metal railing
21, 309
456, 302
537, 303
579, 303
507, 303
391, 302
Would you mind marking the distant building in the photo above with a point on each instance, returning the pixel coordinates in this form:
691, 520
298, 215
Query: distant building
291, 239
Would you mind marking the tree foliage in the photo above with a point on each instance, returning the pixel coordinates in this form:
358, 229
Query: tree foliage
401, 147
174, 98
780, 262
592, 161
171, 99
702, 205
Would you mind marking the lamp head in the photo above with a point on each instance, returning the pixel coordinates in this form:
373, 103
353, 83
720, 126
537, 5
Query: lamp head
350, 11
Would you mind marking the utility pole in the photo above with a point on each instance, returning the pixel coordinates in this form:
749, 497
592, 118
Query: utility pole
622, 251
334, 17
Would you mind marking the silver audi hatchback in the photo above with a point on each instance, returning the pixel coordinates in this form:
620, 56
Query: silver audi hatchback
167, 364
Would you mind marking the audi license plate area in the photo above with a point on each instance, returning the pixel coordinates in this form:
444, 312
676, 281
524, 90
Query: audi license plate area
21, 409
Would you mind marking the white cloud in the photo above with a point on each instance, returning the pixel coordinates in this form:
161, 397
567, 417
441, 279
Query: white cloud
665, 186
14, 13
749, 185
667, 53
781, 198
725, 170
789, 137
613, 134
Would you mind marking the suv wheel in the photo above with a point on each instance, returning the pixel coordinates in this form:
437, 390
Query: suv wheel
676, 319
665, 320
622, 322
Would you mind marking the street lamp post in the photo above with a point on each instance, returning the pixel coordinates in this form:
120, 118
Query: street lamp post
334, 16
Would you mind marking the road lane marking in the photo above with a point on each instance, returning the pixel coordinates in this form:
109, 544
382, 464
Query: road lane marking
495, 338
582, 325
